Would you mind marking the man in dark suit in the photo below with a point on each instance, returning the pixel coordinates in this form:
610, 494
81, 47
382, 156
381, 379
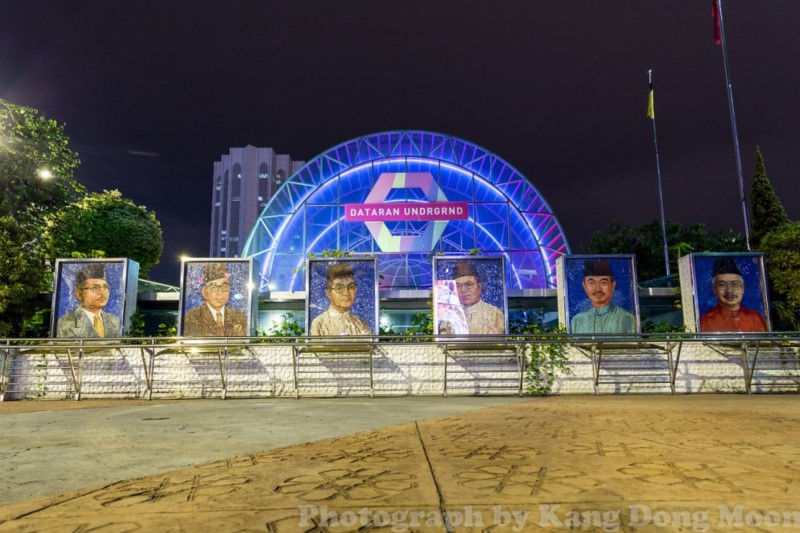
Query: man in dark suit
89, 319
214, 318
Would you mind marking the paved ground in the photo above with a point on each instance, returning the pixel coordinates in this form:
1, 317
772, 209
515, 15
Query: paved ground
580, 463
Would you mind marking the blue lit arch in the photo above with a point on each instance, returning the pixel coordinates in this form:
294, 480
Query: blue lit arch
507, 215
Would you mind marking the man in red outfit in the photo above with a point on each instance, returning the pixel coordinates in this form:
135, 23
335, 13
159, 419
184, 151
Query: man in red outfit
729, 314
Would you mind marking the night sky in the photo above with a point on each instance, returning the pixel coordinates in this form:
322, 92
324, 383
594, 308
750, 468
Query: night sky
153, 92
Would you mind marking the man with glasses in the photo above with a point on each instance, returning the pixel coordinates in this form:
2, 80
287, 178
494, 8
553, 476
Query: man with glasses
340, 287
214, 317
88, 319
603, 316
482, 318
729, 314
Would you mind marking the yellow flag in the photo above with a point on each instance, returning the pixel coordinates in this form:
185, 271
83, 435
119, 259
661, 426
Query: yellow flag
651, 111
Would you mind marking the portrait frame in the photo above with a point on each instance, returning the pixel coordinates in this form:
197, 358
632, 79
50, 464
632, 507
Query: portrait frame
697, 293
491, 270
365, 276
572, 298
240, 273
122, 276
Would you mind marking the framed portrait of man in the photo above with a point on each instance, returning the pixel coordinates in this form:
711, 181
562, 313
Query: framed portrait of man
93, 298
216, 298
725, 293
342, 296
597, 294
469, 296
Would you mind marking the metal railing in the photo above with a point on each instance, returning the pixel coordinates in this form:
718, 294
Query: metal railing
296, 366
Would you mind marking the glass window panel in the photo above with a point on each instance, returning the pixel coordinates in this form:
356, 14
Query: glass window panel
456, 184
395, 164
419, 271
327, 193
356, 185
396, 195
356, 237
492, 226
291, 240
458, 236
422, 165
484, 192
323, 228
522, 237
287, 273
527, 271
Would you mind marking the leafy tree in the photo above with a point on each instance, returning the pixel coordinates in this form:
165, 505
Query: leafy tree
29, 145
106, 224
646, 242
782, 249
767, 210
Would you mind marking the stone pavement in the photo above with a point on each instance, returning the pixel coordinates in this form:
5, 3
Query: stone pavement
569, 463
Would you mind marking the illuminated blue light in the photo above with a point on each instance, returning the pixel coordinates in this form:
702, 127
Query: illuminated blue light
528, 218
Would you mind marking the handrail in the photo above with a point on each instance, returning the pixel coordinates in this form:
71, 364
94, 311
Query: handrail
90, 345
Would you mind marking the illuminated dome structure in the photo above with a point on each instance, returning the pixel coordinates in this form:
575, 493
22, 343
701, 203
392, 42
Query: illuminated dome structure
404, 196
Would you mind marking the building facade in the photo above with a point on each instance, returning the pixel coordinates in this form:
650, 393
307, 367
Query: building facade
244, 181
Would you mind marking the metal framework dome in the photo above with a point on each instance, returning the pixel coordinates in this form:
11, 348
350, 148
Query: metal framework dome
505, 215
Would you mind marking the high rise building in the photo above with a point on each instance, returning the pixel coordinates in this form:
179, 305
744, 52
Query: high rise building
244, 181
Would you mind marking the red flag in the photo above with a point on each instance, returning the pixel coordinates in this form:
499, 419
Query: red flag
715, 18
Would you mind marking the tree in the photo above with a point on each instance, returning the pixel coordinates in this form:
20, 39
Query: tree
30, 144
106, 225
647, 244
767, 210
782, 249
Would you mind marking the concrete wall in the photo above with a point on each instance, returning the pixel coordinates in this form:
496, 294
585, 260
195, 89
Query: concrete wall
397, 369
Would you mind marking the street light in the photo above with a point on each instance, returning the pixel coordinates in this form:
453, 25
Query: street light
44, 173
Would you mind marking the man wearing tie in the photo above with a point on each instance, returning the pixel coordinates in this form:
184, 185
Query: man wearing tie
89, 319
214, 318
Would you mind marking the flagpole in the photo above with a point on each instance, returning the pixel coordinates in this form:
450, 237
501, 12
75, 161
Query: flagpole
651, 113
733, 122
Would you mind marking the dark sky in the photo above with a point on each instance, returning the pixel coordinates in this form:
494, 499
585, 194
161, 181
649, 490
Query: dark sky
153, 92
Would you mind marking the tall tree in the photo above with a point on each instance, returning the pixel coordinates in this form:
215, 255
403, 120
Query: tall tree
106, 225
782, 250
768, 213
36, 167
36, 164
646, 243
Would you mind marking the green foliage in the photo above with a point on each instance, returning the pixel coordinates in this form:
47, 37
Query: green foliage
108, 224
36, 323
782, 250
168, 329
421, 324
420, 331
662, 327
334, 253
330, 254
544, 360
287, 326
647, 243
767, 210
29, 143
136, 326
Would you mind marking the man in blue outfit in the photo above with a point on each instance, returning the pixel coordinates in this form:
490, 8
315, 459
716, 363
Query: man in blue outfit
604, 316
